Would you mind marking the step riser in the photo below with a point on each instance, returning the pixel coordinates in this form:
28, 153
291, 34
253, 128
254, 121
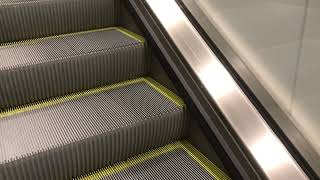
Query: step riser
55, 66
23, 19
97, 152
42, 81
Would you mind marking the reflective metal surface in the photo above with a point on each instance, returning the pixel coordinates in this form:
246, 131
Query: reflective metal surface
271, 155
300, 144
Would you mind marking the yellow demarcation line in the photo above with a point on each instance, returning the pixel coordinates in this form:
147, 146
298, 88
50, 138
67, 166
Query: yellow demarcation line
129, 163
131, 34
124, 31
165, 92
204, 162
207, 165
45, 103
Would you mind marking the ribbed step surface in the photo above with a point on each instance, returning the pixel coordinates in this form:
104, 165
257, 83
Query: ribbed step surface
70, 136
49, 67
27, 19
178, 161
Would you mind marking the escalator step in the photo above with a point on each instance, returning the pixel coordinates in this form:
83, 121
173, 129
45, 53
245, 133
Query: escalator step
27, 19
178, 160
58, 65
69, 136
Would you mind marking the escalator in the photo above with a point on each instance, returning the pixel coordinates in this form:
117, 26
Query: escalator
79, 98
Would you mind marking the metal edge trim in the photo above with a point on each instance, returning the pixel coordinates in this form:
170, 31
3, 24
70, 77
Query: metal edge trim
276, 118
171, 16
240, 164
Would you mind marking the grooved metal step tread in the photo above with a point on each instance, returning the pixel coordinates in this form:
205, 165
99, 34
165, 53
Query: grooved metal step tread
27, 19
179, 160
75, 134
58, 65
43, 50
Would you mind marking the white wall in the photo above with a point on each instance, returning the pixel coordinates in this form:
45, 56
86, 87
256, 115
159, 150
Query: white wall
266, 35
306, 100
279, 40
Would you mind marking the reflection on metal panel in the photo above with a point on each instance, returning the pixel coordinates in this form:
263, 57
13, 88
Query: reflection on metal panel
262, 143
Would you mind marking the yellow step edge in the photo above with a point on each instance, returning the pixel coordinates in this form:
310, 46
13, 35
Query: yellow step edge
192, 152
124, 31
45, 103
165, 92
129, 163
131, 34
204, 162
